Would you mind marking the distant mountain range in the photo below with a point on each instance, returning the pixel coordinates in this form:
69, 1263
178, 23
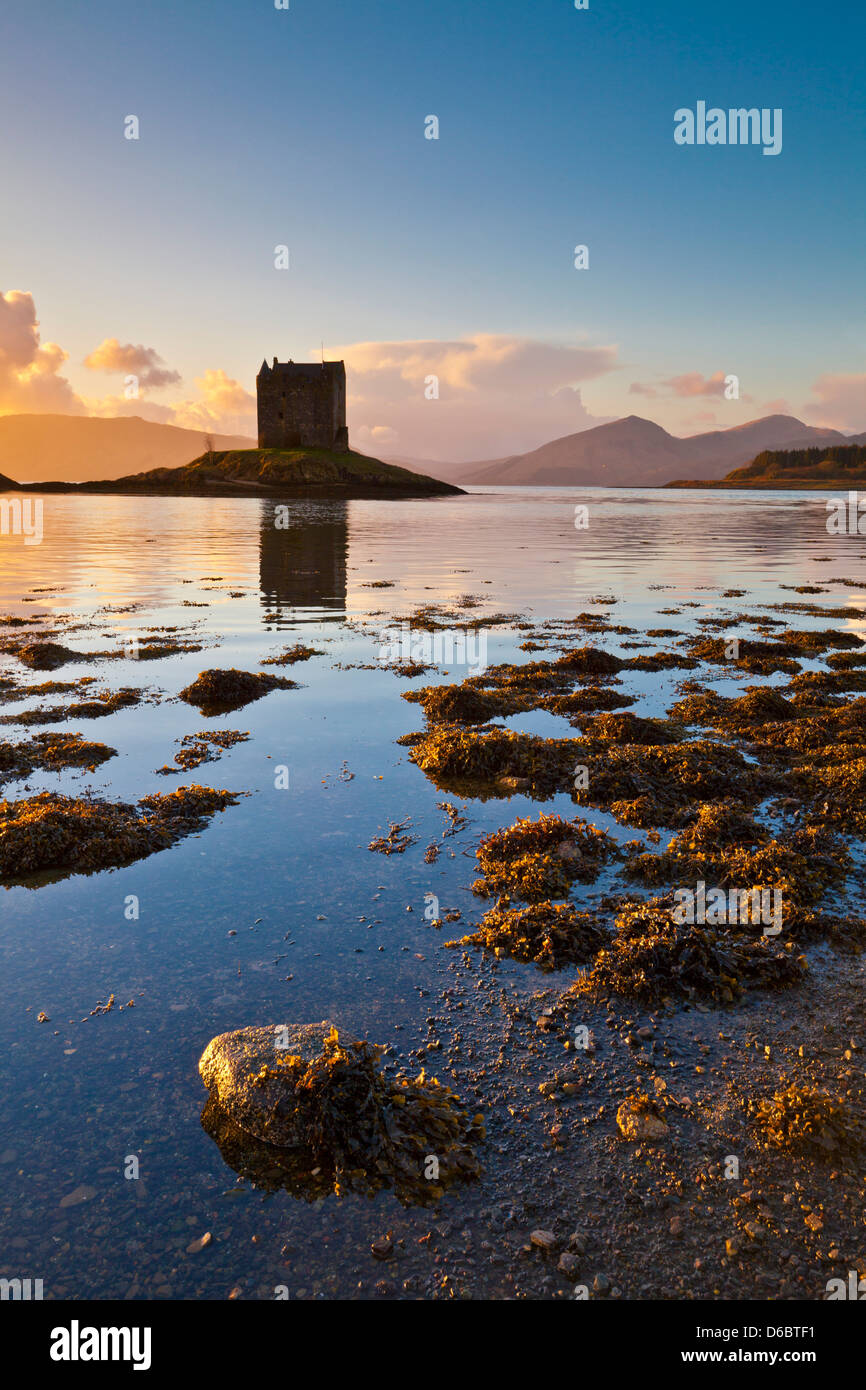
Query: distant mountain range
88, 448
634, 452
631, 452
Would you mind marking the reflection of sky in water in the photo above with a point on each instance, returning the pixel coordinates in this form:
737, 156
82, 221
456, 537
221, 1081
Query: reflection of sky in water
289, 858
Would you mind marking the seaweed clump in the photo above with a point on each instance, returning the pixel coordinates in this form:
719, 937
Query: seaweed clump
299, 652
484, 761
838, 792
654, 960
812, 733
749, 654
537, 859
549, 935
217, 691
630, 728
397, 841
808, 1122
62, 833
588, 699
508, 689
650, 785
725, 843
155, 648
98, 706
460, 704
51, 751
758, 705
46, 656
204, 747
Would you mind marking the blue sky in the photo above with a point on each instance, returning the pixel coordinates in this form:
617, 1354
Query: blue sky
306, 127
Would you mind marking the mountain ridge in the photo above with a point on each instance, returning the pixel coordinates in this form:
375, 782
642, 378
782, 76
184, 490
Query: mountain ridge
635, 452
90, 448
629, 452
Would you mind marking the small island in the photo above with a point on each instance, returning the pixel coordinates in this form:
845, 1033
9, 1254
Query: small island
264, 472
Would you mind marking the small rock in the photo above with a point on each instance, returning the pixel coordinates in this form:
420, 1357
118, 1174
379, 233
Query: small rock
637, 1121
544, 1240
80, 1194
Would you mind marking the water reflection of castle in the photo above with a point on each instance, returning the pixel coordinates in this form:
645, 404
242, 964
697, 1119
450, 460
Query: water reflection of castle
302, 562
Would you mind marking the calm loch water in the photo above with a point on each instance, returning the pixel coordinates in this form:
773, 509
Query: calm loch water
278, 911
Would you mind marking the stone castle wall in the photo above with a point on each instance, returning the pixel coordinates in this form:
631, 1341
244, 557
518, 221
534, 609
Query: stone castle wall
302, 404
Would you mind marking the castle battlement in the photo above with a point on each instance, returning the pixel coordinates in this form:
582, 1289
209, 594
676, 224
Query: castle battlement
302, 404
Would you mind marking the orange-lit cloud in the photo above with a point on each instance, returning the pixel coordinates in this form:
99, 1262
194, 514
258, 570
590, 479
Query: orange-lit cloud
468, 398
841, 401
30, 380
688, 384
224, 404
142, 362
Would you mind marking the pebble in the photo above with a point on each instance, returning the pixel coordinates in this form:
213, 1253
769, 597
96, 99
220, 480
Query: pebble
80, 1194
544, 1240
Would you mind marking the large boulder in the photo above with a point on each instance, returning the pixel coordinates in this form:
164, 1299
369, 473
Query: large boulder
287, 1101
236, 1068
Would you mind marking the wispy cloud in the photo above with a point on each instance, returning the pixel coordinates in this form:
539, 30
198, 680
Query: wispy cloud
686, 385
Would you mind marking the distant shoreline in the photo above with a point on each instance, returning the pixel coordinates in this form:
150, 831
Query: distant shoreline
797, 485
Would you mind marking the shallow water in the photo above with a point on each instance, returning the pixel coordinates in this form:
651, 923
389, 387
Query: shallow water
323, 926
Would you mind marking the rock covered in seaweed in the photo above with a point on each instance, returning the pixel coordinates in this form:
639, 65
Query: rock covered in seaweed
299, 1090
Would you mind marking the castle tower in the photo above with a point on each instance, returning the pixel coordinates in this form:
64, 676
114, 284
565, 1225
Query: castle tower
302, 404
